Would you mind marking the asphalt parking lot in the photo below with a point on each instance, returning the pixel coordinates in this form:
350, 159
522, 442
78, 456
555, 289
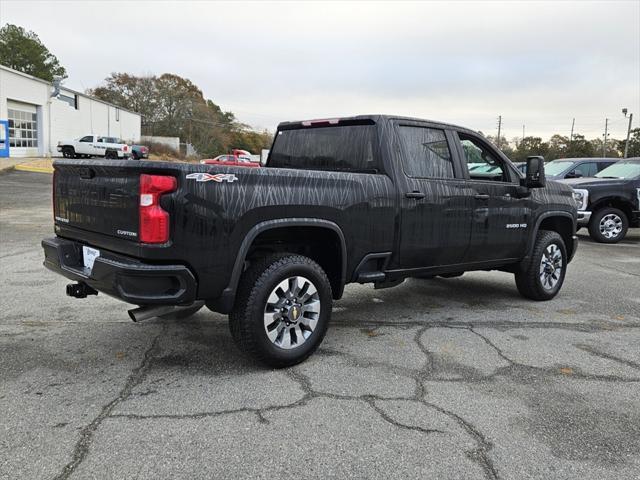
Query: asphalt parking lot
457, 378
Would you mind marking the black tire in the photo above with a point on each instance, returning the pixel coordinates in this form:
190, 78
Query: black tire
182, 314
110, 155
134, 155
68, 152
614, 225
528, 278
247, 320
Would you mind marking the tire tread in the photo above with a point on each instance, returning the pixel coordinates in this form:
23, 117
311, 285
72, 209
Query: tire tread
527, 279
252, 283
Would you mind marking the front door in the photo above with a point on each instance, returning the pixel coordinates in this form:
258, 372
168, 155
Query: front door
501, 214
435, 201
85, 145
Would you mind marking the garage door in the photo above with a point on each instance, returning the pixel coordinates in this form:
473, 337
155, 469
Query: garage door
23, 129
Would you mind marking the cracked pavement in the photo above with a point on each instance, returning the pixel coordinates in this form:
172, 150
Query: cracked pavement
456, 378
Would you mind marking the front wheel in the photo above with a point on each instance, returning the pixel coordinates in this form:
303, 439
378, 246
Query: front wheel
282, 311
608, 225
68, 152
543, 275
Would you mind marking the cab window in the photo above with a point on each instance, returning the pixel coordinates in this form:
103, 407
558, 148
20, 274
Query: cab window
587, 169
482, 163
427, 152
87, 139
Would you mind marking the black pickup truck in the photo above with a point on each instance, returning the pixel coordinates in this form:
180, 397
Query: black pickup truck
609, 203
368, 199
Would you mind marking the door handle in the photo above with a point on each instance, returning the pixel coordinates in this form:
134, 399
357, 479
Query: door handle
481, 196
414, 194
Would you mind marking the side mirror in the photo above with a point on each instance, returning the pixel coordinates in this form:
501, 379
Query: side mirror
534, 177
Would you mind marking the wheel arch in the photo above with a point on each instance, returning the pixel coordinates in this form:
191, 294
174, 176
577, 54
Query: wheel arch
621, 203
257, 240
559, 221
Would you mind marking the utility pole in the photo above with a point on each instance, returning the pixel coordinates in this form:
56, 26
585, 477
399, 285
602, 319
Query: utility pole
626, 145
499, 126
523, 131
573, 123
604, 143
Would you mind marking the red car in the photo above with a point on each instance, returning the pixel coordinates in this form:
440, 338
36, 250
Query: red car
238, 158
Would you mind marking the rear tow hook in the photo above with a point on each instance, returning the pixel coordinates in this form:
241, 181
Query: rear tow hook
80, 290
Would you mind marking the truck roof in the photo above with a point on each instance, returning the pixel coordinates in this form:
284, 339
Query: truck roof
375, 118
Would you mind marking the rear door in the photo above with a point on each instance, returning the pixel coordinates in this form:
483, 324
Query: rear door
500, 216
435, 201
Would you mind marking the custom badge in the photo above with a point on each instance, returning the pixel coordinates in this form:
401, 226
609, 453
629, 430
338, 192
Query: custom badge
208, 177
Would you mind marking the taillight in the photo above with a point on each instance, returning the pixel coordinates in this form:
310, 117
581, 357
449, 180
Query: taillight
154, 221
125, 148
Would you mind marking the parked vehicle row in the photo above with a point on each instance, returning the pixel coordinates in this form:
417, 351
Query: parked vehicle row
563, 168
94, 146
90, 146
609, 203
237, 157
366, 199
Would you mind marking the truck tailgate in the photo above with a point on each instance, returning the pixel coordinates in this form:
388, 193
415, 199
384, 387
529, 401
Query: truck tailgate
97, 198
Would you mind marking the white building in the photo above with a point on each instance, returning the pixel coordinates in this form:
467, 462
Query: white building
37, 120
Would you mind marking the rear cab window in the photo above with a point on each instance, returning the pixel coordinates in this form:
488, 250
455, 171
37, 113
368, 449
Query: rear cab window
427, 152
350, 146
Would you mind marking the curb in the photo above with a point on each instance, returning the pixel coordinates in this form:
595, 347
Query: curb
27, 168
7, 169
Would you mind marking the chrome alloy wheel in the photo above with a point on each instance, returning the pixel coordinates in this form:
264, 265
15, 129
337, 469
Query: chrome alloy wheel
551, 266
292, 312
610, 225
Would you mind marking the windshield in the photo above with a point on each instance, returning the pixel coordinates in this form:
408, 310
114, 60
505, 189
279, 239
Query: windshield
556, 168
629, 169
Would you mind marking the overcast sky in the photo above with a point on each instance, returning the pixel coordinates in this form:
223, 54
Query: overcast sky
535, 63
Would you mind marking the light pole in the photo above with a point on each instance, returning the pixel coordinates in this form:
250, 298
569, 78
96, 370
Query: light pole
626, 145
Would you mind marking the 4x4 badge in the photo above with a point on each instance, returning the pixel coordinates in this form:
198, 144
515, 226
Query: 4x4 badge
207, 177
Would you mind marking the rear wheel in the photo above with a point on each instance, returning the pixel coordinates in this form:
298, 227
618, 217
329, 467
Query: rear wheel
542, 277
110, 155
282, 311
608, 225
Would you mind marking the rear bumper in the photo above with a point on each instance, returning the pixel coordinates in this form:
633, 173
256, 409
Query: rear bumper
122, 277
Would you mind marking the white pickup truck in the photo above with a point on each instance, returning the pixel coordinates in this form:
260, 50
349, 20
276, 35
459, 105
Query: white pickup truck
94, 146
